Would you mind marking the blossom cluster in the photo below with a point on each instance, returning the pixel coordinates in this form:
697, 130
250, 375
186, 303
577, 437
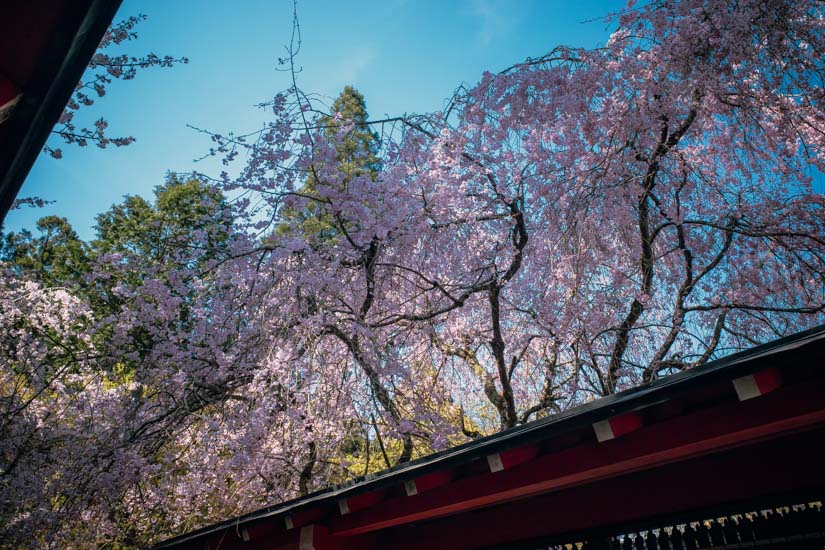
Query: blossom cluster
573, 226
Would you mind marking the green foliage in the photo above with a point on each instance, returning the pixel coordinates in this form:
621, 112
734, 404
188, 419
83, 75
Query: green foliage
188, 214
149, 238
356, 155
54, 257
358, 151
184, 215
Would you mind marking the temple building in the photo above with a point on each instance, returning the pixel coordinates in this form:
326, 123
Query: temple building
727, 455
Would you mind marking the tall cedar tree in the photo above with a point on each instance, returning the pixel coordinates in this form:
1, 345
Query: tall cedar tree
356, 149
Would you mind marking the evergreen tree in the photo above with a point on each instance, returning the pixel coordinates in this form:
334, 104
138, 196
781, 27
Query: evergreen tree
54, 257
356, 156
186, 215
358, 151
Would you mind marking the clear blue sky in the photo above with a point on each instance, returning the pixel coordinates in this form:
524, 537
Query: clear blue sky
403, 55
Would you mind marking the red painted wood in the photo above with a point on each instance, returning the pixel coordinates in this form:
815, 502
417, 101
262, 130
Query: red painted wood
431, 481
519, 455
625, 423
263, 530
768, 380
785, 464
260, 538
710, 430
306, 516
276, 538
364, 500
322, 539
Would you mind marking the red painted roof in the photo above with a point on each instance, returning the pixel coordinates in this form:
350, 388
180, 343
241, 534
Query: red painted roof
692, 444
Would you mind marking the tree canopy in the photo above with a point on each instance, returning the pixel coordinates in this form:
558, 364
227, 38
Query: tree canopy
356, 155
573, 226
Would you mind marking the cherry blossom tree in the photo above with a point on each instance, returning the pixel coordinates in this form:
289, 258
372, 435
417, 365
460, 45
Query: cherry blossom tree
105, 67
572, 226
584, 221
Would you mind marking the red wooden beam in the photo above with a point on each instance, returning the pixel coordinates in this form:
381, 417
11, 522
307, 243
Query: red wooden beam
617, 426
258, 537
304, 516
427, 482
354, 503
710, 430
511, 457
757, 384
318, 537
784, 465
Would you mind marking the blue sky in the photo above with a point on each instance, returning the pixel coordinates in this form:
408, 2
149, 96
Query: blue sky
403, 55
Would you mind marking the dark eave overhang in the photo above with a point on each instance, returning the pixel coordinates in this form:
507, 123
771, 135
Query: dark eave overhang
74, 29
